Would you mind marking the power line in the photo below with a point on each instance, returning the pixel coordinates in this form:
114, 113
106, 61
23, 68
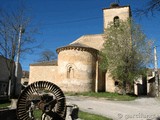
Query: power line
72, 21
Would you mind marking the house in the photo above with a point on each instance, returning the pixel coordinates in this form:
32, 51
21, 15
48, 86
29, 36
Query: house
77, 67
7, 78
151, 82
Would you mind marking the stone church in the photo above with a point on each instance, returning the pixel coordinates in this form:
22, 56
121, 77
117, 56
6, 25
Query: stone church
77, 67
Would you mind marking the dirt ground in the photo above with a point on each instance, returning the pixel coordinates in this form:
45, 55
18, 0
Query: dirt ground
143, 108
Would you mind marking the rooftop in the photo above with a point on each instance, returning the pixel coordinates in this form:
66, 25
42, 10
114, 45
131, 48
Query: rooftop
45, 63
93, 41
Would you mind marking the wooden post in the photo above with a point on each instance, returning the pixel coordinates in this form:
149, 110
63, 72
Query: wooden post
96, 81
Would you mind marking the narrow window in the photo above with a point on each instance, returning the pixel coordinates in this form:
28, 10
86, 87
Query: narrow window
70, 72
116, 21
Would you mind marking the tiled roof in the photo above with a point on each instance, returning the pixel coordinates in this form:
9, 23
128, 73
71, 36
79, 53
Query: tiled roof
93, 41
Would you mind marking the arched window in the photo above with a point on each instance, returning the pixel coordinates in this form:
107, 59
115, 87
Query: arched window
116, 21
70, 72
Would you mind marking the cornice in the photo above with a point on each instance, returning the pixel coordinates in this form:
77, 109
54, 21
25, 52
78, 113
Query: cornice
78, 48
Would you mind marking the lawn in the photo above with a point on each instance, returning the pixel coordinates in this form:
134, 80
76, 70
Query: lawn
88, 116
106, 95
4, 104
82, 115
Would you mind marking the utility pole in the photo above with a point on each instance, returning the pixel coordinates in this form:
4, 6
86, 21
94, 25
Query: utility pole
156, 72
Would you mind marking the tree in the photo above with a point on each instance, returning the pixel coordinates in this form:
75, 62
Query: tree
126, 52
15, 25
46, 55
10, 24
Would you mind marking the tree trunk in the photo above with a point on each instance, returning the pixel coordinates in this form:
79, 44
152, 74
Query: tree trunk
124, 88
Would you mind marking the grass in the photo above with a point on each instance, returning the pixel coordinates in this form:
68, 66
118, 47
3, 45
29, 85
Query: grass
106, 95
82, 115
4, 104
37, 114
88, 116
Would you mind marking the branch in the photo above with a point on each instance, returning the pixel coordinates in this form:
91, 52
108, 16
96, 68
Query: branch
151, 6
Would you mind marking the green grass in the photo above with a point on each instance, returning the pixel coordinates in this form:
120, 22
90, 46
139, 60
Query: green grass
88, 116
83, 115
4, 104
37, 114
106, 95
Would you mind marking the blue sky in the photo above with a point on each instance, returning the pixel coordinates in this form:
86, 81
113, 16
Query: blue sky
62, 21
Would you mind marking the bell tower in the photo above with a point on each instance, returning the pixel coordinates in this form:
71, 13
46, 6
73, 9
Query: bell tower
114, 13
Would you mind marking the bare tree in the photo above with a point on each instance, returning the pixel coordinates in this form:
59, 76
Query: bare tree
151, 7
11, 23
47, 55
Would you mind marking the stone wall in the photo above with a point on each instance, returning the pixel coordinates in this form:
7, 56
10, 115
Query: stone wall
110, 83
76, 70
122, 12
43, 73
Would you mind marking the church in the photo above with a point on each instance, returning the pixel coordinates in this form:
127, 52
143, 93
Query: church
77, 67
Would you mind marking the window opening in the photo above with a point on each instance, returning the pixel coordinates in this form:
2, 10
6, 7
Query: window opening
70, 72
116, 21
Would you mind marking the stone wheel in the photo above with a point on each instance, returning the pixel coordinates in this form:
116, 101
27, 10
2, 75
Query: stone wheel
41, 100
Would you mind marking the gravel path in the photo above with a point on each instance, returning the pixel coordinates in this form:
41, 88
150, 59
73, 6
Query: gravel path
139, 109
